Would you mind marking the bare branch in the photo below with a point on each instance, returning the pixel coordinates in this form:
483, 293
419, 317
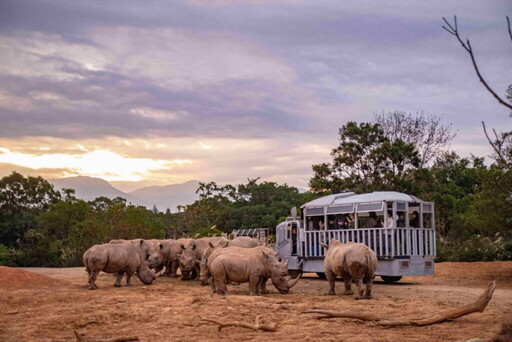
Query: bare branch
478, 306
467, 46
271, 327
508, 26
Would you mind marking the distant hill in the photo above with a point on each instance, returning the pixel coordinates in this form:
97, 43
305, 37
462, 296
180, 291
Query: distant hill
163, 197
169, 196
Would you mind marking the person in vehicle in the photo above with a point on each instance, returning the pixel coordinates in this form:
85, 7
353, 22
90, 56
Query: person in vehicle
401, 219
372, 220
415, 220
321, 225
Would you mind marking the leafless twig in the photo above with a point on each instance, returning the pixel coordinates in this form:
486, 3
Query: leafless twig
453, 30
509, 31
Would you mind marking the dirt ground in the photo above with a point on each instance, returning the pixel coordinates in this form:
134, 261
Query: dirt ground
46, 304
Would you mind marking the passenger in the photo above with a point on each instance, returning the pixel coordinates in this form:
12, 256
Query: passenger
379, 224
390, 223
332, 222
351, 222
342, 222
401, 219
372, 220
415, 220
321, 225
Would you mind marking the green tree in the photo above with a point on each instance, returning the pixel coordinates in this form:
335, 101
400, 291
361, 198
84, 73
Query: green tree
366, 160
21, 200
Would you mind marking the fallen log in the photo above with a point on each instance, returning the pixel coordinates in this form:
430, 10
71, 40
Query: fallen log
478, 306
258, 325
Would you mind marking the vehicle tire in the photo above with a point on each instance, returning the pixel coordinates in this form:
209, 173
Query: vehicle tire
321, 275
294, 273
390, 279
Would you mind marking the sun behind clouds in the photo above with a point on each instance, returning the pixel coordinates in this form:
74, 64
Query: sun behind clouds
101, 163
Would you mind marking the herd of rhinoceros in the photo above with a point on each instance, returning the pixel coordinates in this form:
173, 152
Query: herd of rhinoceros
218, 261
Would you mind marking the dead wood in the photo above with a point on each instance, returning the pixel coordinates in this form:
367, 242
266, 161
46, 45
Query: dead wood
258, 325
82, 338
478, 306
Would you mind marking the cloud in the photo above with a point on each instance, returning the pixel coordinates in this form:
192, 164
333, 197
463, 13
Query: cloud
237, 93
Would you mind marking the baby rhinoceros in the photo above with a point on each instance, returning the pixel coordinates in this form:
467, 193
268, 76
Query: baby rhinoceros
350, 261
121, 258
250, 265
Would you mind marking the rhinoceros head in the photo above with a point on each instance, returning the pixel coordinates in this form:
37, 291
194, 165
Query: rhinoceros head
279, 274
145, 274
203, 272
187, 261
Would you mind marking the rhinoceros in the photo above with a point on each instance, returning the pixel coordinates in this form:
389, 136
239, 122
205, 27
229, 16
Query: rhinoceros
199, 247
350, 261
119, 258
188, 264
253, 265
240, 241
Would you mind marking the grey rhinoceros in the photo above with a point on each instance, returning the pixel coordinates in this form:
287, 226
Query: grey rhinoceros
252, 265
350, 261
119, 258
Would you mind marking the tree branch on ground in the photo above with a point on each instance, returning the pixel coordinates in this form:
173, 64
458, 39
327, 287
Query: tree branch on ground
478, 306
258, 325
82, 338
453, 30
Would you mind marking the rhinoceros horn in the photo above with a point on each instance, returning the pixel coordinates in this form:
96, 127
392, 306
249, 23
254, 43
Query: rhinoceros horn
294, 281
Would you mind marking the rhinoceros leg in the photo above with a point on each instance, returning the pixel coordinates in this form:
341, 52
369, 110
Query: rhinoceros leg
221, 287
331, 277
92, 280
174, 269
264, 286
129, 279
369, 285
360, 289
348, 285
254, 285
119, 276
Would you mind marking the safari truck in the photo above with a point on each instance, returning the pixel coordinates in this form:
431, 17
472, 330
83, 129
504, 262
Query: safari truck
399, 228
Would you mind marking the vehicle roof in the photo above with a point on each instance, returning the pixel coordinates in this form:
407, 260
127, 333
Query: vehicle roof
351, 197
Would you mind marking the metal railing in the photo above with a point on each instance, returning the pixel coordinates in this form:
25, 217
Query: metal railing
386, 242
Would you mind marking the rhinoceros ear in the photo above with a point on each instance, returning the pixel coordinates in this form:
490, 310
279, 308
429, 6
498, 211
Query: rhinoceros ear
141, 242
161, 246
324, 245
211, 245
265, 255
193, 246
182, 247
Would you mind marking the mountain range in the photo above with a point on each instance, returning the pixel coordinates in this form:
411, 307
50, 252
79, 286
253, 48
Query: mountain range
163, 197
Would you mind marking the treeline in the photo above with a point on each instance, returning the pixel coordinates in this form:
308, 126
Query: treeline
409, 153
40, 226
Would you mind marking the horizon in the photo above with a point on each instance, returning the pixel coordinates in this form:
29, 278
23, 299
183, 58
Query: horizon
163, 93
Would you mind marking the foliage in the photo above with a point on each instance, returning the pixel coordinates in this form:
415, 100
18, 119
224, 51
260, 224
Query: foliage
21, 200
366, 160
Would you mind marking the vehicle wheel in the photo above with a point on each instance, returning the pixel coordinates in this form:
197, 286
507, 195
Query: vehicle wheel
294, 273
321, 275
390, 279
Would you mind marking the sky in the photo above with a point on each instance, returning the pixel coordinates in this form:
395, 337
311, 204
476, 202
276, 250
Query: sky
144, 93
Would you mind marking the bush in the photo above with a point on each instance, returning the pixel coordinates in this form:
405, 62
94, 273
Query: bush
7, 256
